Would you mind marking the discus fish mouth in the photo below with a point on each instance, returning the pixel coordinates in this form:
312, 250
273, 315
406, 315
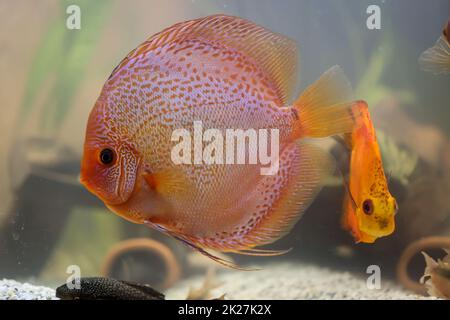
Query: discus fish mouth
85, 183
91, 187
89, 180
117, 207
383, 228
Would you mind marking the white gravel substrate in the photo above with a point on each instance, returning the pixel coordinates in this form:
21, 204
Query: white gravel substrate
275, 281
293, 281
13, 290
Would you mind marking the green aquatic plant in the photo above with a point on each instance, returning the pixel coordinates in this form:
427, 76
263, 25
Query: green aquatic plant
372, 86
372, 66
60, 62
398, 162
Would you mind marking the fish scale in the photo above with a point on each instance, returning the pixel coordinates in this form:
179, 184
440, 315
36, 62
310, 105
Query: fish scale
237, 107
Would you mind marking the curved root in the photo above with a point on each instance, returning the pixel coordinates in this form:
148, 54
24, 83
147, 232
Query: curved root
173, 271
415, 247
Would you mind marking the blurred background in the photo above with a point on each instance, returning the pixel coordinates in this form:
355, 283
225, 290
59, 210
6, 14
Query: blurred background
51, 76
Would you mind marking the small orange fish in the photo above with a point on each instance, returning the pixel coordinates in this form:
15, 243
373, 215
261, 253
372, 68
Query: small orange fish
369, 208
228, 73
437, 58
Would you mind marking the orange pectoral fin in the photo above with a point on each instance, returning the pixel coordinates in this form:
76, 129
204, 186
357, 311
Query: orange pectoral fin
170, 181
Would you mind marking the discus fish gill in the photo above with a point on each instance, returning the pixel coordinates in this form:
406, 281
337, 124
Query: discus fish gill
228, 73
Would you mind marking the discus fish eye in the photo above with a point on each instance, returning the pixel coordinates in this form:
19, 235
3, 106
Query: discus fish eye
107, 156
367, 206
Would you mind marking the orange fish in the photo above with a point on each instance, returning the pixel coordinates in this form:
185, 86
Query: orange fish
437, 58
369, 208
227, 73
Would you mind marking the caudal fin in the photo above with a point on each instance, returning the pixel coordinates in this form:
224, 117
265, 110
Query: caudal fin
437, 58
325, 107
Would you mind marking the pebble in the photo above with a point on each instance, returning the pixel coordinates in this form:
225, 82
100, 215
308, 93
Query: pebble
13, 290
276, 281
280, 281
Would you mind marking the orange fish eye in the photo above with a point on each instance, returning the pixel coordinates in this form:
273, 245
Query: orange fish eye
368, 206
107, 156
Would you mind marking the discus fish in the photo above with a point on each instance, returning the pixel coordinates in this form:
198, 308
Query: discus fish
437, 58
227, 73
369, 208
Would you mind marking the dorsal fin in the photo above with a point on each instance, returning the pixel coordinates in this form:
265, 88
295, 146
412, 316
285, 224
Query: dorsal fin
274, 53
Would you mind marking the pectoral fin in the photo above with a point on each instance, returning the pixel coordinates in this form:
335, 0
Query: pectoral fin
171, 181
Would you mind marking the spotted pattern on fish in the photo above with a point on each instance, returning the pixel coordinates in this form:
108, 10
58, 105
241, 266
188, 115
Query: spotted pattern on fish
228, 73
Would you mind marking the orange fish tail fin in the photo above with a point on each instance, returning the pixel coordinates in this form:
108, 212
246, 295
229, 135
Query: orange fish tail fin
325, 107
437, 59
